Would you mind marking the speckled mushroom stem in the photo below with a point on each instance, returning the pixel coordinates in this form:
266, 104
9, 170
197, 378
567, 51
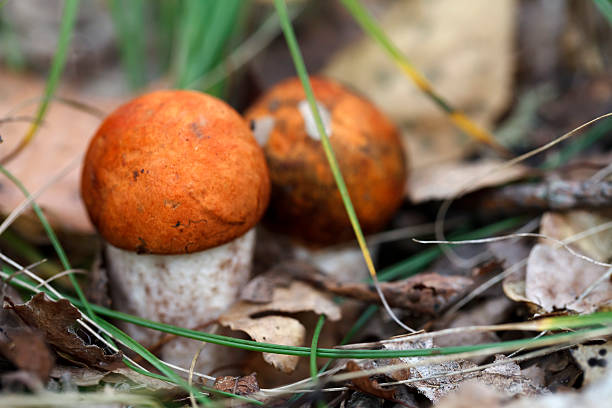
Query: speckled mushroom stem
186, 290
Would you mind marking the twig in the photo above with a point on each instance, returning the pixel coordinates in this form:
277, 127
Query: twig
553, 195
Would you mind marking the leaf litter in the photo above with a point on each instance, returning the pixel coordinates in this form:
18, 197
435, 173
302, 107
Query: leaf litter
505, 378
57, 320
271, 328
264, 291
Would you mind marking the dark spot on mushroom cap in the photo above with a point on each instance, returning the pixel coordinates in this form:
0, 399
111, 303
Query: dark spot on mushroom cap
155, 202
197, 130
142, 247
603, 352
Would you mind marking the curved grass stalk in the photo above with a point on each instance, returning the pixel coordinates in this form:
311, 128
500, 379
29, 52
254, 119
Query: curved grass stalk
71, 8
369, 25
300, 67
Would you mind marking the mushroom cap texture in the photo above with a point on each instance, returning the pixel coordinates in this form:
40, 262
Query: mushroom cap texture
305, 201
174, 172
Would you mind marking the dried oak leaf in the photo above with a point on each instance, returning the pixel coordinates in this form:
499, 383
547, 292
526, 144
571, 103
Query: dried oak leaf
556, 279
56, 320
298, 297
237, 385
369, 385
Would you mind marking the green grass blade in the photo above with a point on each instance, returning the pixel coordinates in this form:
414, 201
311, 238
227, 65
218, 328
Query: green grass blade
300, 67
71, 8
193, 17
150, 357
54, 241
313, 347
10, 44
167, 16
595, 322
204, 29
129, 20
416, 263
211, 46
605, 7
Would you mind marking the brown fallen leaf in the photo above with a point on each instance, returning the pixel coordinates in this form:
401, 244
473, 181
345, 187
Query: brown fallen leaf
27, 350
260, 289
369, 385
556, 279
298, 297
237, 385
564, 225
62, 137
20, 344
448, 180
424, 294
476, 79
56, 320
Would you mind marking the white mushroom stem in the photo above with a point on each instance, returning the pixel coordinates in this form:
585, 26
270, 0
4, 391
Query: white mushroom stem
187, 290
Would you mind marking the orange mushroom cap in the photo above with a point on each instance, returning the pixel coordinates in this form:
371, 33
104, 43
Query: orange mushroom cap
305, 201
174, 172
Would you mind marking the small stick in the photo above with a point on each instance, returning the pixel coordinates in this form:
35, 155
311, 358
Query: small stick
553, 195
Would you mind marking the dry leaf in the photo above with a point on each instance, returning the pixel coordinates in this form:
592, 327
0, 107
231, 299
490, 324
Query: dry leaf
492, 311
505, 378
369, 385
260, 289
27, 350
298, 297
594, 360
447, 180
433, 35
426, 293
565, 225
238, 385
56, 320
555, 279
21, 345
87, 377
62, 137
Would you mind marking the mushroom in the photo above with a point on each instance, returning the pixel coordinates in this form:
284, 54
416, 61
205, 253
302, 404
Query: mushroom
305, 202
174, 181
